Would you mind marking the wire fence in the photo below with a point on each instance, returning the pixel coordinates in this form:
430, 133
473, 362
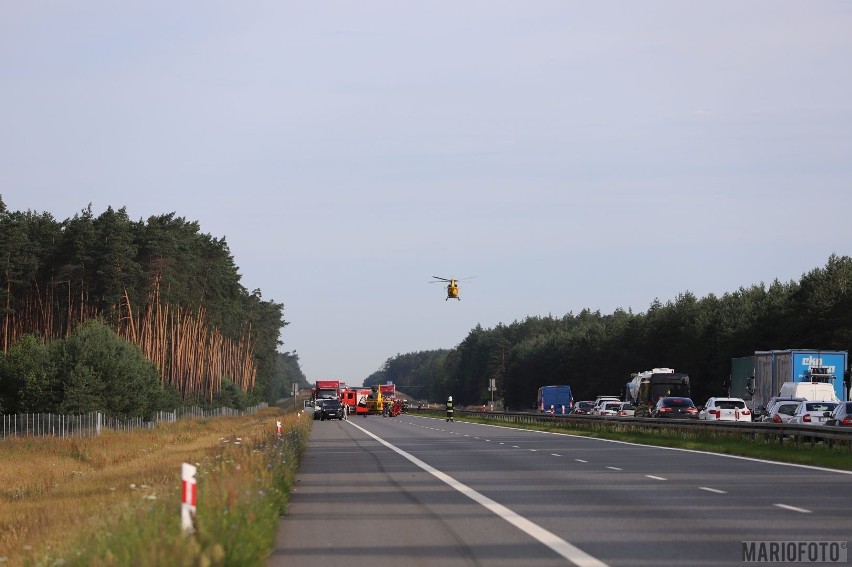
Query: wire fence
91, 424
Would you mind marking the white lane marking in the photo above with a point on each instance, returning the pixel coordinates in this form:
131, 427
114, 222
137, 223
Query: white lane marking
615, 468
515, 447
713, 490
488, 440
655, 477
738, 457
570, 552
793, 508
534, 450
502, 443
581, 461
556, 454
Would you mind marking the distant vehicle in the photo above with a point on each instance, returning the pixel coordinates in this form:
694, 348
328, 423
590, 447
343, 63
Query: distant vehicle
317, 408
841, 416
583, 407
765, 414
675, 408
331, 409
813, 413
608, 408
646, 388
326, 389
555, 399
626, 410
783, 412
813, 391
725, 409
758, 377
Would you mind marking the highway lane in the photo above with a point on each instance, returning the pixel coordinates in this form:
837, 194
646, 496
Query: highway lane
621, 504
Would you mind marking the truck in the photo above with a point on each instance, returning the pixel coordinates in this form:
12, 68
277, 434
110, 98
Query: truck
325, 389
759, 377
645, 388
555, 399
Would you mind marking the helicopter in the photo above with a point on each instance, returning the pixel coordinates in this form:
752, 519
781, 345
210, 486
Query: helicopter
452, 286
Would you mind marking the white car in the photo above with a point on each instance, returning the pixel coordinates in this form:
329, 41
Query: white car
599, 402
813, 413
725, 409
609, 408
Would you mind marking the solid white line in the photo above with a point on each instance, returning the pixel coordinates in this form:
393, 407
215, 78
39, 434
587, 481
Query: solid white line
793, 508
713, 490
551, 540
655, 477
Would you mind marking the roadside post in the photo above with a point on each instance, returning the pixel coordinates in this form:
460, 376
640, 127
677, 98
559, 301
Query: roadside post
189, 491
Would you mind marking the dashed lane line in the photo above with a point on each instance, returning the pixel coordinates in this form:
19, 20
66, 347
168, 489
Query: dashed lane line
565, 549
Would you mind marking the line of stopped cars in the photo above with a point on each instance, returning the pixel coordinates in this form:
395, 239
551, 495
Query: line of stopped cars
798, 411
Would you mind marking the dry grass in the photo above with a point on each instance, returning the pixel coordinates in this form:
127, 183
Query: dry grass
55, 491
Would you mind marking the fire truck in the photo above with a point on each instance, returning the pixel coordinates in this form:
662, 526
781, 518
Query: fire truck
325, 389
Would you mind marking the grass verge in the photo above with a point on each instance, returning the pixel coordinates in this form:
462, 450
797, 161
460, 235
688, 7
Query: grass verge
115, 499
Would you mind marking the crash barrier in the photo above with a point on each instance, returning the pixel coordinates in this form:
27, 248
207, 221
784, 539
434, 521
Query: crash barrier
91, 424
777, 432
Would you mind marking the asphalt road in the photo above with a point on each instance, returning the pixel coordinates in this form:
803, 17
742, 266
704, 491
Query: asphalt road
376, 491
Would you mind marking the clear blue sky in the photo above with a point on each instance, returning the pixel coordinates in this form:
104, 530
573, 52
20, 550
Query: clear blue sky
570, 154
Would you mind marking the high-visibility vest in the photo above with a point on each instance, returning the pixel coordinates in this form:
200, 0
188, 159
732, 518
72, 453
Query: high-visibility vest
449, 406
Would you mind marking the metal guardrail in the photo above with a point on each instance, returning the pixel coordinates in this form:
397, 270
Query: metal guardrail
781, 433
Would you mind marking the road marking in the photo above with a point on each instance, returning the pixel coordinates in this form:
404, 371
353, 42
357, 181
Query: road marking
581, 461
655, 477
713, 490
515, 447
615, 468
551, 540
556, 454
793, 508
534, 450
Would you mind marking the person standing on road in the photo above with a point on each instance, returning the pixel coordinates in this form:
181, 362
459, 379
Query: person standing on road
450, 408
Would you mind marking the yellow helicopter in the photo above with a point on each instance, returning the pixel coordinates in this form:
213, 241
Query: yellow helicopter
452, 286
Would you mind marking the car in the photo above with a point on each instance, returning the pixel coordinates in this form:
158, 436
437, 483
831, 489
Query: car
813, 413
783, 411
599, 402
725, 409
763, 413
583, 407
608, 407
627, 410
675, 407
841, 416
331, 409
317, 405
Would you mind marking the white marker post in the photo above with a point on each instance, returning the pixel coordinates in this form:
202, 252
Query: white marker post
278, 427
187, 508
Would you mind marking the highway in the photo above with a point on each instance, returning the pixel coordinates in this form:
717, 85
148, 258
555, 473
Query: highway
377, 491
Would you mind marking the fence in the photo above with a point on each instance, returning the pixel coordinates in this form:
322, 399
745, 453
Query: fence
91, 424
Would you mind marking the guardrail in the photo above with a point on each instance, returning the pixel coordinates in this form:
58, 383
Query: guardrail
781, 433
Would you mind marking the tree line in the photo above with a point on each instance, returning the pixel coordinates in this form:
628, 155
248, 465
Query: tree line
596, 353
161, 285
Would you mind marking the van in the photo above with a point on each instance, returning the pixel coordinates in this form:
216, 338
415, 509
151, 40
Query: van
810, 391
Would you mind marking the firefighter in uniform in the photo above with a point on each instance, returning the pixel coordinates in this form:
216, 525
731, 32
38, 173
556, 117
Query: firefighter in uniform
450, 408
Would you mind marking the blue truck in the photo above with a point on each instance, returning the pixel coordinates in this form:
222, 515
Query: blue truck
555, 399
759, 377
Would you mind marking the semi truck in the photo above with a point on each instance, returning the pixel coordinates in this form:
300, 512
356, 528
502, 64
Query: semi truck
325, 389
645, 388
555, 399
759, 377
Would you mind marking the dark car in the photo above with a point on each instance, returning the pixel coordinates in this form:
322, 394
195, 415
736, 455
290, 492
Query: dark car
583, 408
676, 408
841, 416
330, 409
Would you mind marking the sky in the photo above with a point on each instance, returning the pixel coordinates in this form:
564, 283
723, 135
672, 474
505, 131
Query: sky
568, 154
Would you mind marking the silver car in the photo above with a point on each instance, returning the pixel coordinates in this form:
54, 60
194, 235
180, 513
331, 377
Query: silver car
783, 412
